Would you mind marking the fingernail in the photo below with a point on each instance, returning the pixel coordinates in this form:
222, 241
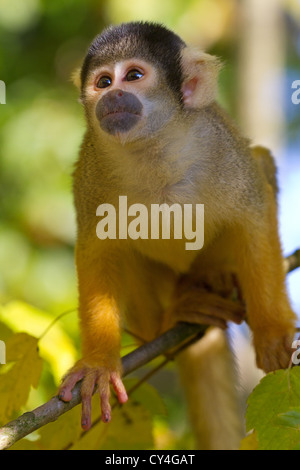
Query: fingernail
85, 424
123, 397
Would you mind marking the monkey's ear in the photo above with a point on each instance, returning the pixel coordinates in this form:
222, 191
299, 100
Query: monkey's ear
75, 77
200, 71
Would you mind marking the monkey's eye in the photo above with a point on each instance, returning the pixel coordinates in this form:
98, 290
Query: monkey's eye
133, 75
104, 82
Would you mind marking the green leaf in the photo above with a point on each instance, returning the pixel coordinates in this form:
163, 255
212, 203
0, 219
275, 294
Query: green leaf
290, 419
273, 410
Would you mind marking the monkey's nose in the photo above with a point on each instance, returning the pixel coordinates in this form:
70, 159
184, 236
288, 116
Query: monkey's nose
116, 93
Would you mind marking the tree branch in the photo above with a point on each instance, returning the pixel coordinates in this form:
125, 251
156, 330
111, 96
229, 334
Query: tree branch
292, 261
50, 411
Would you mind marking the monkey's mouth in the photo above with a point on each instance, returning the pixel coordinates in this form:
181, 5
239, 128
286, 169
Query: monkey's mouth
120, 113
118, 121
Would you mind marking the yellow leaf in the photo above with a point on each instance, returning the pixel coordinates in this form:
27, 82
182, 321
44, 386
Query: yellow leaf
25, 444
5, 332
24, 373
56, 347
92, 439
249, 442
59, 434
130, 428
16, 344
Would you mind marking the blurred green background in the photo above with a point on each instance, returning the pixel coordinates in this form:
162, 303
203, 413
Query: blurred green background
41, 127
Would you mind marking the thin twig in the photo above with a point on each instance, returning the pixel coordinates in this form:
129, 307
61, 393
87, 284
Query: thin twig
292, 261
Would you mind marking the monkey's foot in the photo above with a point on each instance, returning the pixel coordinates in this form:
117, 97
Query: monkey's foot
206, 308
92, 376
273, 350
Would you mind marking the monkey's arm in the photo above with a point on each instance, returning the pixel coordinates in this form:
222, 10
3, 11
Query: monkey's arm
100, 332
262, 277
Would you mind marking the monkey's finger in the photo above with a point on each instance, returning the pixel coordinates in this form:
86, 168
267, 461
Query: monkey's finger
284, 359
224, 311
87, 389
104, 392
236, 283
219, 282
65, 390
105, 408
212, 305
285, 356
201, 319
119, 387
274, 354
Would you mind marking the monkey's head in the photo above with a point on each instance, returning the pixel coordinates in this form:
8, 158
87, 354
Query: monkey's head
138, 76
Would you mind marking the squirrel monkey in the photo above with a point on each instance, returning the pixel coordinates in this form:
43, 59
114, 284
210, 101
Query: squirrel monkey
156, 134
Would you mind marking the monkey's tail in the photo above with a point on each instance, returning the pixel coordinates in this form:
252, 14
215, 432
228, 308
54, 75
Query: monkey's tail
208, 379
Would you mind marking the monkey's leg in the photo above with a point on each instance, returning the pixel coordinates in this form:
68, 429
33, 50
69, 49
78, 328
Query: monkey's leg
209, 381
148, 288
99, 316
157, 299
206, 367
262, 277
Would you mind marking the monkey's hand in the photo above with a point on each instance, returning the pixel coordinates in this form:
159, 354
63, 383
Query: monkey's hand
94, 373
208, 309
213, 301
273, 346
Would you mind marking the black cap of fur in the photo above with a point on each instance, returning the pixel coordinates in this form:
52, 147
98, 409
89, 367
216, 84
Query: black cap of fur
148, 41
